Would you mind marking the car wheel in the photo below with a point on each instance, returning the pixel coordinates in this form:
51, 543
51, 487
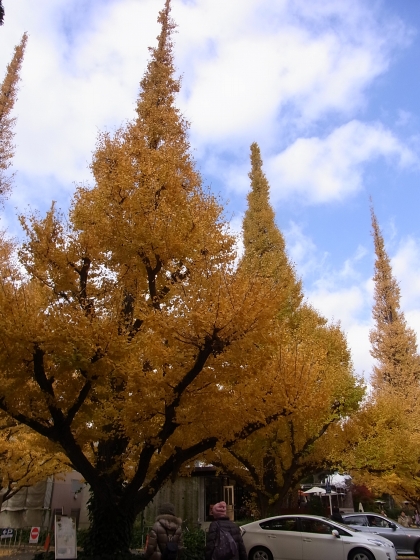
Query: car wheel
361, 554
260, 553
417, 549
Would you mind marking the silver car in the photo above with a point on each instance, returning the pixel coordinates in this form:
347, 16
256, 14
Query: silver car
406, 539
310, 537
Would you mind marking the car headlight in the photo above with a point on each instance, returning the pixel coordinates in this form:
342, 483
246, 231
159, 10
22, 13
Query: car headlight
381, 543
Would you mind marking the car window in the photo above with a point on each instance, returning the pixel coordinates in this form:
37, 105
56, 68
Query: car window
375, 521
316, 526
347, 532
356, 520
280, 524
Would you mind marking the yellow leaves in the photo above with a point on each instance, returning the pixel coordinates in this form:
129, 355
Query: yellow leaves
305, 372
129, 335
25, 457
380, 444
8, 95
394, 345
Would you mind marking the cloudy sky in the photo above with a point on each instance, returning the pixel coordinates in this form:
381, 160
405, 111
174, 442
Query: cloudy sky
330, 90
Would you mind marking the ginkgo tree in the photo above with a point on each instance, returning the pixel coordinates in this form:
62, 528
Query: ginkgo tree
318, 389
8, 95
126, 324
309, 357
25, 457
379, 445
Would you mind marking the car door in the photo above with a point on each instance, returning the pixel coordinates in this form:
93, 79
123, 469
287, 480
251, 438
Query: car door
318, 542
389, 530
282, 537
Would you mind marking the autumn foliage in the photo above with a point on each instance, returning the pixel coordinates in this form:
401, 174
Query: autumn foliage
380, 444
8, 95
307, 357
128, 325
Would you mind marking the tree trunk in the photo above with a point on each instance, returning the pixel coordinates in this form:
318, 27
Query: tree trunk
111, 527
263, 504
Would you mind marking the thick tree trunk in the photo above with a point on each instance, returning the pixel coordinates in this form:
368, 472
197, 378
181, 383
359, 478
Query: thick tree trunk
263, 504
111, 527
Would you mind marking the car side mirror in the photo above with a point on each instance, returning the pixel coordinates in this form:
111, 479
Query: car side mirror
335, 533
393, 526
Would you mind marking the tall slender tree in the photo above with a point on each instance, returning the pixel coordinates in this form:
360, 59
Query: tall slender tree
264, 245
379, 446
394, 345
308, 357
8, 95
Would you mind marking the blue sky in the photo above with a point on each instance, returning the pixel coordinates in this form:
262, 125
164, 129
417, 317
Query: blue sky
328, 88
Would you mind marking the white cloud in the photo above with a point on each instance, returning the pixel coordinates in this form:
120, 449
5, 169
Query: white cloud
404, 117
406, 269
358, 341
263, 58
340, 303
332, 168
72, 86
303, 251
247, 67
341, 295
348, 305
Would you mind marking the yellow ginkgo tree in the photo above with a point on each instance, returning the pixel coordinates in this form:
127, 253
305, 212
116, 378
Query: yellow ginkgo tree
8, 95
25, 457
379, 445
308, 359
126, 324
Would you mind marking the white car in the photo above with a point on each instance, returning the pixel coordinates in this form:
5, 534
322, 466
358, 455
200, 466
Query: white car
310, 537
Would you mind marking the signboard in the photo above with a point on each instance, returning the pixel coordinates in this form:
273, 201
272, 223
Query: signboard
34, 535
65, 537
7, 533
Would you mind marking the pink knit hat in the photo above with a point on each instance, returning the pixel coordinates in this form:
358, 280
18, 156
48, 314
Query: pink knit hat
219, 510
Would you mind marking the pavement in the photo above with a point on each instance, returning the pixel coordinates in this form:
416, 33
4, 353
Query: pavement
10, 554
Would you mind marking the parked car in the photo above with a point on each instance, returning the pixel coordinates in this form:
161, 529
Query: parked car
310, 537
406, 539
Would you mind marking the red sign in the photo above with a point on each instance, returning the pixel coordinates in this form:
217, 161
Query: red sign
34, 535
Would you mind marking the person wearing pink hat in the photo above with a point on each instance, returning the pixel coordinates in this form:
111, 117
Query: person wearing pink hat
224, 539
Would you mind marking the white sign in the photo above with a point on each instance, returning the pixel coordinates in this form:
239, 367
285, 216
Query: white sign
34, 535
65, 537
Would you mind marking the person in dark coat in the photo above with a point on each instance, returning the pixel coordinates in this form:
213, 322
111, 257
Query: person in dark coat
336, 515
222, 520
166, 527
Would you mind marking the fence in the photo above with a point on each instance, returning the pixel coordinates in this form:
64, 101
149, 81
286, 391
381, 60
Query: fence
194, 540
18, 539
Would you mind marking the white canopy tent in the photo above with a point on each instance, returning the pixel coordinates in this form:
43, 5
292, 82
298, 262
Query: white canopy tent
315, 490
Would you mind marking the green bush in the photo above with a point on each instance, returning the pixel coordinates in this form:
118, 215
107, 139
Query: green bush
194, 544
315, 507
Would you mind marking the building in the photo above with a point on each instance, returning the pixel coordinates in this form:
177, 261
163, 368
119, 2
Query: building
35, 506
